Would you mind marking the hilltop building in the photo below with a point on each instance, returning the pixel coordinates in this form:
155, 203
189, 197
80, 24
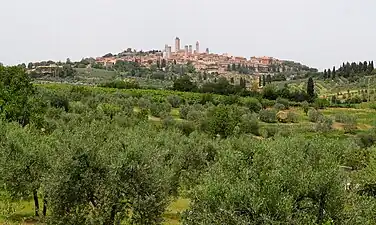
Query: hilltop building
177, 44
186, 50
202, 61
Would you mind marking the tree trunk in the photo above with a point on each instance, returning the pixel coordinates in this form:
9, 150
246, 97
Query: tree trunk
36, 202
44, 206
320, 218
111, 219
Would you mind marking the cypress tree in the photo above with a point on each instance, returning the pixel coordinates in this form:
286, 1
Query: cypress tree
365, 66
370, 67
334, 72
311, 88
268, 79
325, 74
329, 74
360, 67
164, 63
263, 80
260, 81
158, 64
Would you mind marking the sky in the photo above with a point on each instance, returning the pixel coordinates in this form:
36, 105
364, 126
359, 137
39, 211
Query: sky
318, 33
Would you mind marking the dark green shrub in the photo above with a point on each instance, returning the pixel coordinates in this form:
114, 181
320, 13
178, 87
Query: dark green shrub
305, 107
231, 100
324, 124
77, 93
186, 127
269, 131
284, 102
168, 122
314, 115
349, 121
195, 116
144, 103
222, 120
78, 107
198, 107
345, 118
268, 116
249, 124
366, 140
253, 104
372, 106
183, 111
321, 103
266, 103
109, 109
205, 98
292, 117
60, 102
174, 100
279, 107
143, 115
160, 109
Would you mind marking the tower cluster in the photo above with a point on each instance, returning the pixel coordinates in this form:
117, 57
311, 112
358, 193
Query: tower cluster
186, 51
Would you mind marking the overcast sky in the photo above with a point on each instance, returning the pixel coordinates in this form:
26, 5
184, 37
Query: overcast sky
319, 33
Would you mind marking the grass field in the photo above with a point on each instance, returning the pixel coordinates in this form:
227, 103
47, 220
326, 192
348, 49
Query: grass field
24, 213
95, 75
332, 87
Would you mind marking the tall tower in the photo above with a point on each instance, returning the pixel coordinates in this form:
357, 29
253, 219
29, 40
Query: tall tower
197, 47
166, 51
177, 44
169, 55
186, 50
190, 49
207, 51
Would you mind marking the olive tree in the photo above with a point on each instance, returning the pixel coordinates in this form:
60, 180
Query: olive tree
23, 163
103, 175
287, 180
15, 90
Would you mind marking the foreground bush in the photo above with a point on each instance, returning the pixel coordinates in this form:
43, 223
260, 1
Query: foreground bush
174, 100
349, 121
253, 104
284, 102
222, 120
314, 115
268, 116
286, 181
292, 117
366, 140
103, 168
321, 103
324, 124
249, 124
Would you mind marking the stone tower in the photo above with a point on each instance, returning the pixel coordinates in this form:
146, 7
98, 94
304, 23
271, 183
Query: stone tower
177, 44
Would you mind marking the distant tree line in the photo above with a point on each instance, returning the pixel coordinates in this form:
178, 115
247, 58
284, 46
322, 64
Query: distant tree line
351, 71
240, 68
270, 91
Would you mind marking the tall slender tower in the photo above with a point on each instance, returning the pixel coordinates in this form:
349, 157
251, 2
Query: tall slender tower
169, 55
177, 44
197, 47
166, 51
186, 50
190, 49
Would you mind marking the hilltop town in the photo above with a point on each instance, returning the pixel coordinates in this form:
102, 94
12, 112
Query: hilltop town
211, 63
159, 68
